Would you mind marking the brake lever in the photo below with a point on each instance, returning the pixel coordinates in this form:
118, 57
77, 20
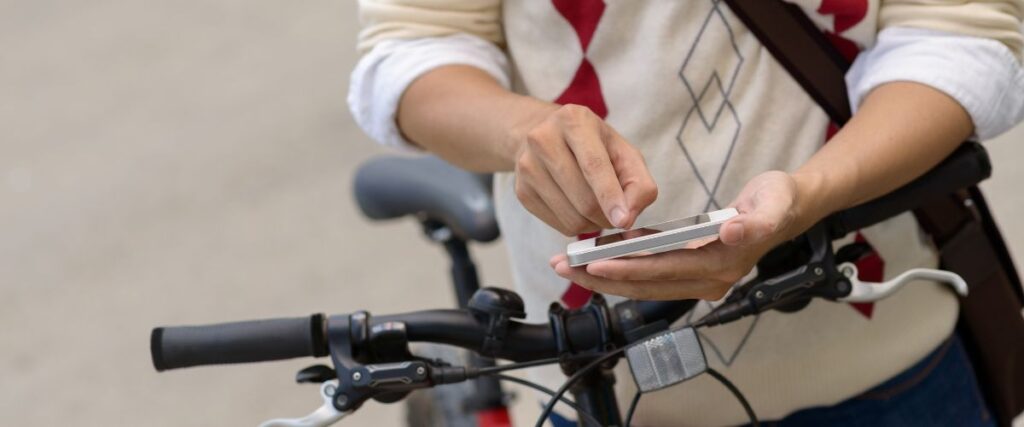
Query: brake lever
323, 416
872, 291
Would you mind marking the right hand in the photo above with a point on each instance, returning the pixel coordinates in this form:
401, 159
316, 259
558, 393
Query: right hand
578, 175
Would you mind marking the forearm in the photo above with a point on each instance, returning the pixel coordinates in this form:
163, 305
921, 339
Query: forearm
901, 131
463, 115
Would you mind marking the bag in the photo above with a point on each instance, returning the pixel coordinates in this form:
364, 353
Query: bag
961, 225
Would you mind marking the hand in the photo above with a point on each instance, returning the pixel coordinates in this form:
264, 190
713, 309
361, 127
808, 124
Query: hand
578, 175
770, 213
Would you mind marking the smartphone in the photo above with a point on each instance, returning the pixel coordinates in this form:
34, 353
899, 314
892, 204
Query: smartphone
648, 240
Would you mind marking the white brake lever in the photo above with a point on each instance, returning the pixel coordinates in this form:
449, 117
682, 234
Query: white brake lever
323, 416
870, 291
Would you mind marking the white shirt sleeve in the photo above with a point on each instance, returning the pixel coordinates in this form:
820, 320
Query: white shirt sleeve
382, 75
983, 75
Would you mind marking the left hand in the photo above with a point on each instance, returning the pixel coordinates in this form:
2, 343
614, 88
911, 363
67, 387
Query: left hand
770, 213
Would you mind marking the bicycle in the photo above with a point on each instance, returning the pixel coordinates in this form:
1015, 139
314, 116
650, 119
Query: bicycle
371, 357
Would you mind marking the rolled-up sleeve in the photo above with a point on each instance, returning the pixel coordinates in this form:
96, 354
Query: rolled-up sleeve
382, 76
982, 75
969, 50
403, 39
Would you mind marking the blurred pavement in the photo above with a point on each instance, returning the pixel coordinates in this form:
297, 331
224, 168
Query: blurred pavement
189, 161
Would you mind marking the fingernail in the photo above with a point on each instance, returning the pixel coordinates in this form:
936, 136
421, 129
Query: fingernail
618, 217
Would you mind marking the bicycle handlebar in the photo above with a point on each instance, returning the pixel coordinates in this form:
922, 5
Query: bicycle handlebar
459, 328
276, 339
264, 340
967, 166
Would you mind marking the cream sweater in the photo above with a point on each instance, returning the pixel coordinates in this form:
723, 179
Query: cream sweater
709, 109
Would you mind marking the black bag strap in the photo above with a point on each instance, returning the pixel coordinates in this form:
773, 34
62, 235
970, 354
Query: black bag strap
802, 50
961, 225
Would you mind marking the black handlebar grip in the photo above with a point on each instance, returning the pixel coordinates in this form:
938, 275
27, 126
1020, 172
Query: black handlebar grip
237, 342
967, 166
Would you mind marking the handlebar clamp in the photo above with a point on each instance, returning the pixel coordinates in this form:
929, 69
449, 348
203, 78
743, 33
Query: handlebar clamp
559, 318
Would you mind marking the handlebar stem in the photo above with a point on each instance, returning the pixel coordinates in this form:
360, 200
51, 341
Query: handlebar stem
596, 313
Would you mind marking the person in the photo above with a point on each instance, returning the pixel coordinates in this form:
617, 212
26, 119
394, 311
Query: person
598, 115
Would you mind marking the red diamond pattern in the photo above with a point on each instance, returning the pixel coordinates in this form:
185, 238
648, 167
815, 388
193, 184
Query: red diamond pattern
585, 90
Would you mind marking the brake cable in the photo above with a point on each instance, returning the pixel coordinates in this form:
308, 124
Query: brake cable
549, 407
586, 415
735, 392
468, 373
632, 408
572, 380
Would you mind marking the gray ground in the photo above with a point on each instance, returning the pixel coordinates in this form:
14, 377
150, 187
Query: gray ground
187, 162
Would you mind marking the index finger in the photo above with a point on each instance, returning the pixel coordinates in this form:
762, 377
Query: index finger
585, 141
638, 186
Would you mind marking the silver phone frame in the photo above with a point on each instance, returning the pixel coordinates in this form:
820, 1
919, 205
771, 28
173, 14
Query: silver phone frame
651, 243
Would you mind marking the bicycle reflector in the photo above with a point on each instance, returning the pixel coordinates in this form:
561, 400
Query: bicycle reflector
666, 359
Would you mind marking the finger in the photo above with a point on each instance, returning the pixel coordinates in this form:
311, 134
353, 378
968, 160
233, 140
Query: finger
533, 203
707, 262
638, 187
583, 134
556, 200
557, 259
561, 164
645, 290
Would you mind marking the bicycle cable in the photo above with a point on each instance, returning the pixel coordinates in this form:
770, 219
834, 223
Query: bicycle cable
632, 408
519, 365
739, 395
549, 407
572, 380
716, 375
586, 415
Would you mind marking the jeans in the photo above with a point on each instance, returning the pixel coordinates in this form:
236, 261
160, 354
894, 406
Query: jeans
940, 390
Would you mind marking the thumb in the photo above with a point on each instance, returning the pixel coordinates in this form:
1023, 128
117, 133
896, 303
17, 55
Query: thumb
746, 229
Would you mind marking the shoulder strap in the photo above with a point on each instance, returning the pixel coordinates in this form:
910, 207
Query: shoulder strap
802, 50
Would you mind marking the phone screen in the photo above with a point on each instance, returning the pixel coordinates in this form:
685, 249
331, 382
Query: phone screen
652, 229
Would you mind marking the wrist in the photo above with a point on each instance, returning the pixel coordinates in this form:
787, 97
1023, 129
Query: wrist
814, 200
524, 113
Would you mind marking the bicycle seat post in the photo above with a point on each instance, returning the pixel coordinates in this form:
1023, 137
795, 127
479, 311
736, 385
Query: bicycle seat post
463, 270
466, 282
